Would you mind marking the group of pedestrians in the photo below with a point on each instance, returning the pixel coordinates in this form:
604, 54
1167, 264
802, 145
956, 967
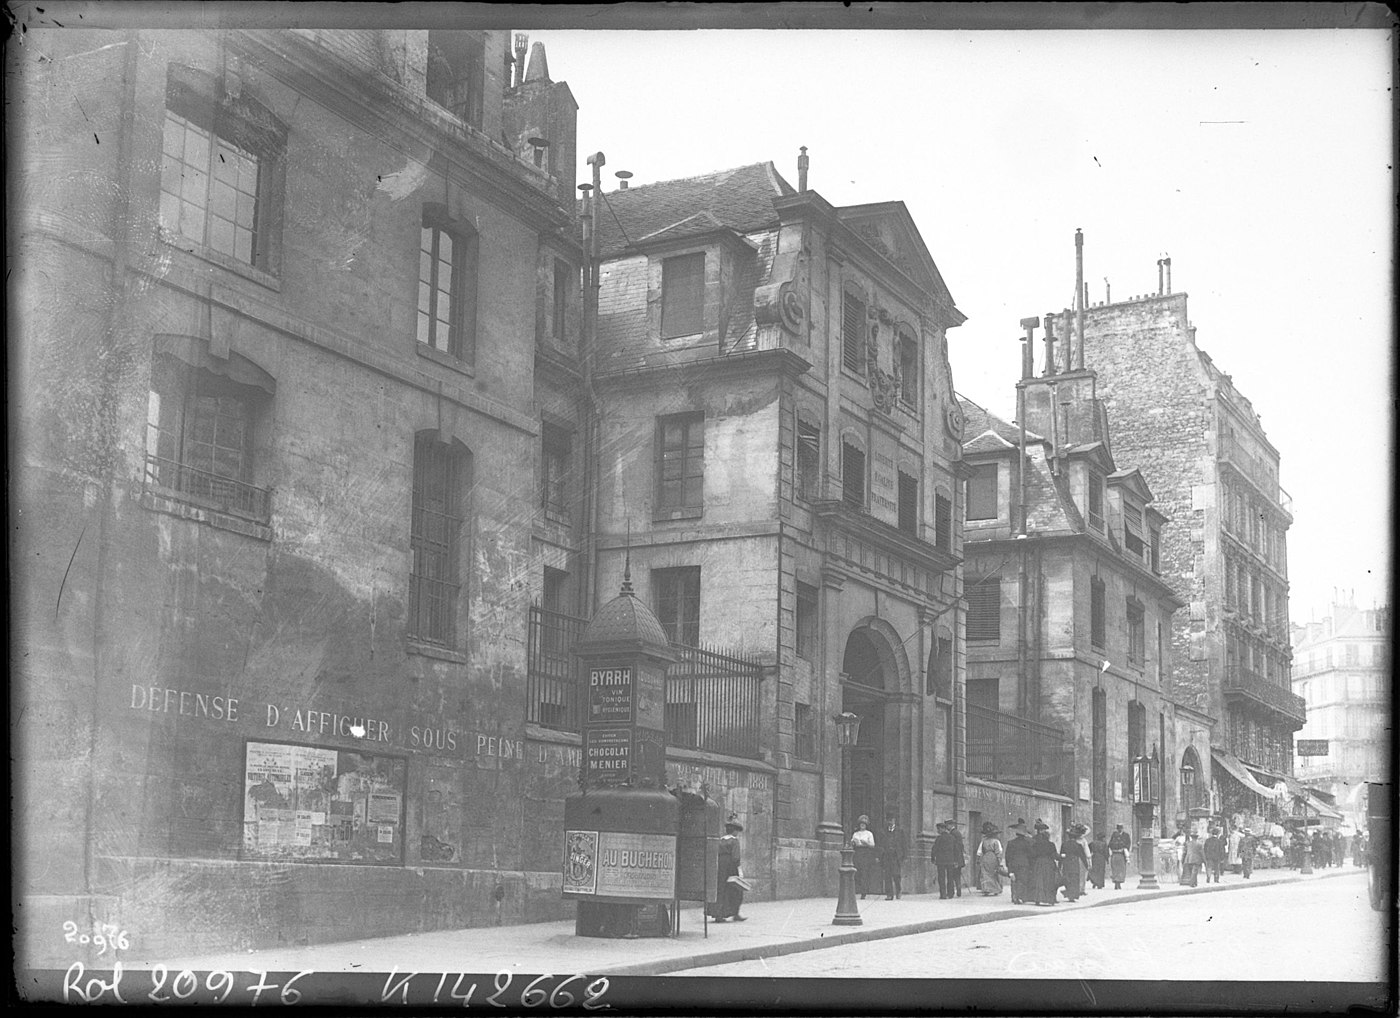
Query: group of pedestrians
879, 861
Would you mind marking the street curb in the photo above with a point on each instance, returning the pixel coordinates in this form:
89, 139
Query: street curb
729, 956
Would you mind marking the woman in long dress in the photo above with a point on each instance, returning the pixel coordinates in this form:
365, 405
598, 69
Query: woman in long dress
1098, 861
729, 896
1074, 863
1044, 879
991, 861
867, 859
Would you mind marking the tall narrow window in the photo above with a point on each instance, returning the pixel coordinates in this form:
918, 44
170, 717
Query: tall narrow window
215, 185
447, 276
984, 609
683, 295
982, 492
555, 449
1097, 624
908, 503
563, 279
680, 465
1156, 549
1096, 500
939, 680
853, 332
908, 353
1136, 636
456, 73
804, 731
1132, 529
852, 476
433, 539
676, 596
943, 522
809, 443
806, 621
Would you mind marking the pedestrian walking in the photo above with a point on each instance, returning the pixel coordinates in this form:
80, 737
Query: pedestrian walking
1214, 849
1074, 863
1358, 850
729, 889
991, 861
1018, 861
1118, 844
1195, 859
1323, 851
1098, 861
867, 861
1044, 880
952, 826
948, 858
893, 845
1249, 844
1232, 847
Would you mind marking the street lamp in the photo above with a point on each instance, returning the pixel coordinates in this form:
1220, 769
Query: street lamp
847, 914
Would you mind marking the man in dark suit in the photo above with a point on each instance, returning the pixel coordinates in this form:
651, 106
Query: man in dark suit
948, 857
1215, 855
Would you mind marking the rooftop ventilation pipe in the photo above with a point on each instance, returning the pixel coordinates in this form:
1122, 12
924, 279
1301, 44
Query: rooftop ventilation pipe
802, 169
1079, 297
1167, 263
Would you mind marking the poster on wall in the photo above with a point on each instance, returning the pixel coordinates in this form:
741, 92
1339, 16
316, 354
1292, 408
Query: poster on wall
322, 805
619, 865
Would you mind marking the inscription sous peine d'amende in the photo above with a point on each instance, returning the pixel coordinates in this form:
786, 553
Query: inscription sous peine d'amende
436, 737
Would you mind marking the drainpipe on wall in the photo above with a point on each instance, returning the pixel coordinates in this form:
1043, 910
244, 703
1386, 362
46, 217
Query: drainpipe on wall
588, 585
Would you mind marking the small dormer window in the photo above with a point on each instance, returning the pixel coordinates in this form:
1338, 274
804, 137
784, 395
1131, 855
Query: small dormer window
1132, 529
683, 295
1096, 500
982, 492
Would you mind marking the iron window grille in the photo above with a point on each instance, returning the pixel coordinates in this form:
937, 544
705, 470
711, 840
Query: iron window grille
433, 540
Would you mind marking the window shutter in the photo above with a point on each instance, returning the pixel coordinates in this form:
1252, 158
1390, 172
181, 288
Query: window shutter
943, 522
984, 609
852, 333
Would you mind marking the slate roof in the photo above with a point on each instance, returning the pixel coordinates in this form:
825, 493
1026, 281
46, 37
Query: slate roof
740, 199
978, 419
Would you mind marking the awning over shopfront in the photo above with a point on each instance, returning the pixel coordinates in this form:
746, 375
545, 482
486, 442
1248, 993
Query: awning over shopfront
1318, 807
1237, 770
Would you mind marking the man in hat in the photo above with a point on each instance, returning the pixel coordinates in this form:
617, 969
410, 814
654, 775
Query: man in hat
1018, 860
948, 857
1249, 844
1118, 844
1215, 855
893, 846
730, 894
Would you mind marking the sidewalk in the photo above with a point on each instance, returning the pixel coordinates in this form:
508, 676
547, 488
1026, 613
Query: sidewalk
773, 928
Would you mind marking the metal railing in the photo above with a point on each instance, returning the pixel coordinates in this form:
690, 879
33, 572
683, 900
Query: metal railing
1256, 468
1270, 694
431, 609
712, 697
205, 488
1015, 750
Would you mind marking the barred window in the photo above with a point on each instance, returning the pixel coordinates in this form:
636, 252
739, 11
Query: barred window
438, 477
984, 609
676, 595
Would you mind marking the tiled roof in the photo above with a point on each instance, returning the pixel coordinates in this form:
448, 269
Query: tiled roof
978, 419
741, 199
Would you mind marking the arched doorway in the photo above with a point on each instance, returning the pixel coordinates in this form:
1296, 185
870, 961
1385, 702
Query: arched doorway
866, 668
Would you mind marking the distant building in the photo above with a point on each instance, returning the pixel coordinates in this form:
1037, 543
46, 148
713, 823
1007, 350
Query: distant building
1203, 451
1341, 668
1068, 618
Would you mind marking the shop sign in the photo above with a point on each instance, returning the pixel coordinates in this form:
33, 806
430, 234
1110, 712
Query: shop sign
1084, 790
607, 755
619, 865
1311, 747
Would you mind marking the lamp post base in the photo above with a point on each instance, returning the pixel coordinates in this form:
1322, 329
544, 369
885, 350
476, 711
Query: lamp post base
847, 914
1147, 866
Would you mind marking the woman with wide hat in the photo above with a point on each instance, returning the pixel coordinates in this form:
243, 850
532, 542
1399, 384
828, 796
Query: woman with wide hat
991, 860
1044, 882
730, 893
1074, 862
867, 859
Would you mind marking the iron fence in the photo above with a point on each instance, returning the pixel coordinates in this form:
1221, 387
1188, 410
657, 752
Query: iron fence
712, 697
1015, 750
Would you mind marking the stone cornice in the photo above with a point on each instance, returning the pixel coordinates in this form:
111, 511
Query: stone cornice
780, 361
884, 537
1135, 569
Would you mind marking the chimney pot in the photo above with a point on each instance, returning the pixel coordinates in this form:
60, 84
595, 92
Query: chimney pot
802, 169
623, 176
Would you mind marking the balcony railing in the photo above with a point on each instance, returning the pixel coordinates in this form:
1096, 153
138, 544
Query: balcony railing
712, 697
1244, 682
1015, 750
1257, 469
205, 488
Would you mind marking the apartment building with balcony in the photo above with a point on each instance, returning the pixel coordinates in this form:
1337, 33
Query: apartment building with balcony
1068, 619
293, 307
777, 441
1341, 669
1203, 450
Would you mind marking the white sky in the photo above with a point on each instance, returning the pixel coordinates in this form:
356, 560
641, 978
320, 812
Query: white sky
1257, 159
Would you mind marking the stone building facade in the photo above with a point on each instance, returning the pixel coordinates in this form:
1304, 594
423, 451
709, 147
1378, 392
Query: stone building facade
1341, 669
777, 454
1068, 617
287, 331
1202, 449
